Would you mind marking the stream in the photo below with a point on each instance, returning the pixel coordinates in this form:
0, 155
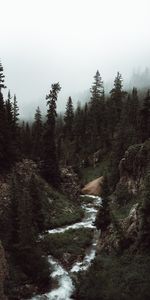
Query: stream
63, 277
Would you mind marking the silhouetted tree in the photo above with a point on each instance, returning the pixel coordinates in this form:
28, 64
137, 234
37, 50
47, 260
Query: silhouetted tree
96, 113
50, 163
145, 118
117, 95
37, 132
68, 119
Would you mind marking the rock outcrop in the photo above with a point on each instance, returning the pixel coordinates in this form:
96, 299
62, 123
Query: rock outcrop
70, 183
121, 234
94, 187
134, 165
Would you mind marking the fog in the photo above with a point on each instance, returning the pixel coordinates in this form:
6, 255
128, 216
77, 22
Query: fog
46, 41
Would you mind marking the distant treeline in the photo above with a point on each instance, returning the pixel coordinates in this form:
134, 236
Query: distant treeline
106, 123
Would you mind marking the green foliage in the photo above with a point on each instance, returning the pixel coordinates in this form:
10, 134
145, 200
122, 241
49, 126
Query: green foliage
116, 278
117, 95
96, 115
62, 210
145, 118
27, 221
50, 168
68, 119
72, 241
101, 169
29, 266
8, 148
37, 132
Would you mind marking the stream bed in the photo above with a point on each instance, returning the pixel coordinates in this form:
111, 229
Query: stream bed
63, 277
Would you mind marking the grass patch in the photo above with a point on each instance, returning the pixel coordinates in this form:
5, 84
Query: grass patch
73, 242
64, 211
90, 173
59, 210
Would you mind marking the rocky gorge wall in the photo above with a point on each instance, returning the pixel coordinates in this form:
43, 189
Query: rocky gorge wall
134, 166
129, 231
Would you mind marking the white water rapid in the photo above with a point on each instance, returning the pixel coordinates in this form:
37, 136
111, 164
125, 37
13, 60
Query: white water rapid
64, 278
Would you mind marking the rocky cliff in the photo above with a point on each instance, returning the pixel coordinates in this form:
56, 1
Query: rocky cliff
132, 195
134, 166
70, 183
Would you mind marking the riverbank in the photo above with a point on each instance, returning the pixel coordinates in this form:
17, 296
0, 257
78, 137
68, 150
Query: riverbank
62, 276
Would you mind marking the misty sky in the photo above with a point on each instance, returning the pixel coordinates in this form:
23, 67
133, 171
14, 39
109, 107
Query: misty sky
46, 41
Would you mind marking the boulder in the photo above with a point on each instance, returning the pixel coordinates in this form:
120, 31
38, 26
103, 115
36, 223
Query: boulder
94, 187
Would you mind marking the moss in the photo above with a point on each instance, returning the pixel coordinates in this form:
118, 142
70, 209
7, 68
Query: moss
90, 173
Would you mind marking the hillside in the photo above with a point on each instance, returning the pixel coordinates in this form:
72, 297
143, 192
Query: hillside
123, 247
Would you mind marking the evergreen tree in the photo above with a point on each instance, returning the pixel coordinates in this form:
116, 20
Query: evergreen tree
145, 118
16, 128
26, 140
134, 112
96, 115
117, 95
97, 90
50, 161
60, 136
15, 114
68, 118
2, 85
37, 132
77, 130
3, 158
9, 113
24, 247
103, 218
10, 145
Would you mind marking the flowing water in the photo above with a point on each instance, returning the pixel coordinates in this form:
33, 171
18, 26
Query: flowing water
64, 278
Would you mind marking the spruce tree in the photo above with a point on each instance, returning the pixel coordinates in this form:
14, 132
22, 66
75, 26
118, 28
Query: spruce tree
15, 109
77, 129
68, 118
145, 118
26, 140
37, 131
11, 146
16, 127
97, 89
3, 157
50, 167
9, 113
117, 95
134, 108
96, 115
